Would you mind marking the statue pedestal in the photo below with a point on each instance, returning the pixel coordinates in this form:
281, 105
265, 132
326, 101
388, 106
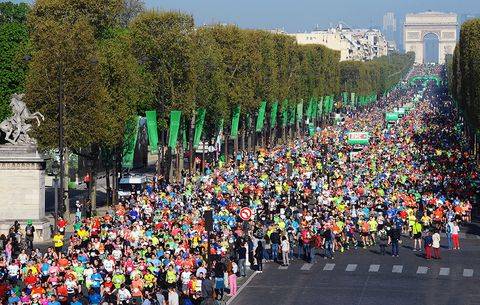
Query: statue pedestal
22, 189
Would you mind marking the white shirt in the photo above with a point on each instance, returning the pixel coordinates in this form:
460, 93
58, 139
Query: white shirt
13, 270
436, 240
285, 246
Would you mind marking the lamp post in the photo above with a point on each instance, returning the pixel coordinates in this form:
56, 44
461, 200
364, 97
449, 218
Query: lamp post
55, 169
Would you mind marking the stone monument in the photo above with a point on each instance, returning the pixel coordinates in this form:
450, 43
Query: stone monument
22, 173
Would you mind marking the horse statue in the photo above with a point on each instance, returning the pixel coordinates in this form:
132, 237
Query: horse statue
16, 127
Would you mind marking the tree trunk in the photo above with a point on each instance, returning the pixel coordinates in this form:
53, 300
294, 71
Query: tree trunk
235, 149
107, 184
66, 180
115, 177
192, 132
180, 160
225, 144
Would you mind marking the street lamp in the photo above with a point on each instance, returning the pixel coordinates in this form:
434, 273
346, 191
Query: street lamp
55, 171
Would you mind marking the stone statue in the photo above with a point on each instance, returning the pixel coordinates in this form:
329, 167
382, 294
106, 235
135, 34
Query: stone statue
16, 127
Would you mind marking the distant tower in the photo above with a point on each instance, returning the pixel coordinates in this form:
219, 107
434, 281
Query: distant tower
390, 28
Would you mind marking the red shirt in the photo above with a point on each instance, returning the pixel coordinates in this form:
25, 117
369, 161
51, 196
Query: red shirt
62, 223
30, 280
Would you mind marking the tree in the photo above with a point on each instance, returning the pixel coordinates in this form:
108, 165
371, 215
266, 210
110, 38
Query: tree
79, 57
131, 9
162, 41
13, 44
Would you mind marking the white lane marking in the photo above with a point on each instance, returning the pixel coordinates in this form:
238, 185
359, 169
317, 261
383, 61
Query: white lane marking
444, 271
282, 267
467, 272
329, 267
422, 270
397, 268
241, 288
306, 266
351, 267
374, 268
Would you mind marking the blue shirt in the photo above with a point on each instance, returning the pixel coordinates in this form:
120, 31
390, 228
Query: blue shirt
97, 280
94, 298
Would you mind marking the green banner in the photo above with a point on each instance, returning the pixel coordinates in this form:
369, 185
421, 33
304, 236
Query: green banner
130, 141
352, 98
345, 97
299, 112
174, 128
273, 115
152, 130
309, 108
235, 122
320, 107
292, 115
284, 113
391, 116
199, 121
261, 116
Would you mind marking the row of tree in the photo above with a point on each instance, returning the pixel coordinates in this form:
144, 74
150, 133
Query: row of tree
107, 61
463, 74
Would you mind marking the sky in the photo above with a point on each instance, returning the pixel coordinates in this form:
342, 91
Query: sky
304, 15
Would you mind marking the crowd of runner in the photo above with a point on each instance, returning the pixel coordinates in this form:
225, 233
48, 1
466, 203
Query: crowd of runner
311, 199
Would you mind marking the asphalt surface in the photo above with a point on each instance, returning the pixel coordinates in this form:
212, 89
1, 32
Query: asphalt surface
363, 277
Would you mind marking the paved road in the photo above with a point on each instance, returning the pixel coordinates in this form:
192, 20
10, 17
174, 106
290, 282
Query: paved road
363, 277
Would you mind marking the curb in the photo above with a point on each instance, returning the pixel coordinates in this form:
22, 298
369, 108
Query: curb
250, 278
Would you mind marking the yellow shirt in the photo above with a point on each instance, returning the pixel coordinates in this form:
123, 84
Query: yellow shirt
58, 240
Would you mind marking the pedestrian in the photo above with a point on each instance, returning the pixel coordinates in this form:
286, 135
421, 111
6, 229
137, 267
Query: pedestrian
285, 250
242, 259
232, 269
259, 256
328, 243
427, 243
58, 242
394, 239
448, 234
29, 235
436, 244
455, 237
382, 240
275, 239
417, 235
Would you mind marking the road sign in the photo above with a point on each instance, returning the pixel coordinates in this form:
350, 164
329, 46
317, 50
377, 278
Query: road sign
246, 213
361, 138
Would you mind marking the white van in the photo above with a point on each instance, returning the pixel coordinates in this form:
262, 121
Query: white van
131, 185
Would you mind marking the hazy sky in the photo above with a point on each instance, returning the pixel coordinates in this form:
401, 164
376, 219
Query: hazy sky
302, 15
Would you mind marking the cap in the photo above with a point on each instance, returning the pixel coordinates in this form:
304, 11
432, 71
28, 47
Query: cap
29, 222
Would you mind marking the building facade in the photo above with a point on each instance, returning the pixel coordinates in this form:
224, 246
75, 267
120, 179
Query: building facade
353, 44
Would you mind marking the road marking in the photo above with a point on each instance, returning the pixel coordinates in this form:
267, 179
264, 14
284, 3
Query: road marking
374, 268
467, 272
242, 287
444, 271
306, 266
281, 267
422, 270
329, 267
351, 267
397, 268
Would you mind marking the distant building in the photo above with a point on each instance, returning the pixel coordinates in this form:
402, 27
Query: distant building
390, 30
353, 44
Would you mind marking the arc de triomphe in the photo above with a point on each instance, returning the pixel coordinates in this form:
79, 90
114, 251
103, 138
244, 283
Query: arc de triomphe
417, 26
